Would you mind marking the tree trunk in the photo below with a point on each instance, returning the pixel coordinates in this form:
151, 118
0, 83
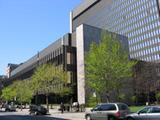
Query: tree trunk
71, 101
36, 98
108, 99
117, 95
47, 102
148, 98
96, 99
21, 106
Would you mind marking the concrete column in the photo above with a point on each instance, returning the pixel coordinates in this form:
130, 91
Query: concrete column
80, 65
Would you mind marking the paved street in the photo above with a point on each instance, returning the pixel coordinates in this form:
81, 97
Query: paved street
19, 116
70, 116
55, 115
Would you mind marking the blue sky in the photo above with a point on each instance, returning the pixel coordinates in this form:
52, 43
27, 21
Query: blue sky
28, 26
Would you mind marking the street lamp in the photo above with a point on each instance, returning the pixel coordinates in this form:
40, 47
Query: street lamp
36, 97
38, 58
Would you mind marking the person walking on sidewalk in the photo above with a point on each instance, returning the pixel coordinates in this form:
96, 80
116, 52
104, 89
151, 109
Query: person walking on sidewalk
62, 107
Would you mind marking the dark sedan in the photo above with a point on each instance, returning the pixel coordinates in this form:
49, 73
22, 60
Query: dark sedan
10, 108
147, 113
38, 110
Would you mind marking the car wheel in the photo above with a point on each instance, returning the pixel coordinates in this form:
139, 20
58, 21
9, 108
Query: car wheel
111, 118
37, 113
88, 117
130, 118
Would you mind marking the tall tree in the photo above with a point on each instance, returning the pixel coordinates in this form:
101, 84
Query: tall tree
8, 93
146, 80
19, 89
107, 64
24, 93
49, 78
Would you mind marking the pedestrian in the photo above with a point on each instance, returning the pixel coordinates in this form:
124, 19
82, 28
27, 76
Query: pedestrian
62, 107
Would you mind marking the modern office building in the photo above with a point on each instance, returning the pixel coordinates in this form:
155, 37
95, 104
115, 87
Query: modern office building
3, 81
139, 20
62, 53
136, 23
67, 52
10, 67
84, 36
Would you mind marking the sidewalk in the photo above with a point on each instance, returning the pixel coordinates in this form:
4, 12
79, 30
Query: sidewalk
68, 115
57, 114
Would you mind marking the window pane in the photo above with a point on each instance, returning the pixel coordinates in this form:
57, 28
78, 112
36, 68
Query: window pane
155, 110
122, 107
108, 107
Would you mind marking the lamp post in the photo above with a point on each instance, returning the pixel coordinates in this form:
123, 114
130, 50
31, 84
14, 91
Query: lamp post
37, 58
36, 97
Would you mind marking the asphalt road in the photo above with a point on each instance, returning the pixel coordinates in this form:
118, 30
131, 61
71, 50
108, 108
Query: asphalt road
18, 116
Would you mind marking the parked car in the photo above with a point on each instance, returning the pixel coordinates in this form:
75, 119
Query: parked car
38, 110
108, 111
147, 113
9, 108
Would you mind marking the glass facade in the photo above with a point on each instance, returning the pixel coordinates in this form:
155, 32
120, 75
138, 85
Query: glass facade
137, 19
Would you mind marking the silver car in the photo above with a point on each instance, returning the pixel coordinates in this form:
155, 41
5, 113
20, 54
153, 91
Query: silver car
108, 111
10, 108
147, 113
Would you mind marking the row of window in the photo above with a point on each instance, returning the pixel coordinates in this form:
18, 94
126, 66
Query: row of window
144, 33
147, 58
51, 55
137, 19
132, 4
130, 10
131, 25
137, 24
145, 44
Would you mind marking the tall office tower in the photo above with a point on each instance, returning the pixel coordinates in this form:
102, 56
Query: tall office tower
139, 20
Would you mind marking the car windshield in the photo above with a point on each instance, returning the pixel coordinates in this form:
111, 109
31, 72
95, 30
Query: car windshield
97, 107
122, 107
144, 110
108, 107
